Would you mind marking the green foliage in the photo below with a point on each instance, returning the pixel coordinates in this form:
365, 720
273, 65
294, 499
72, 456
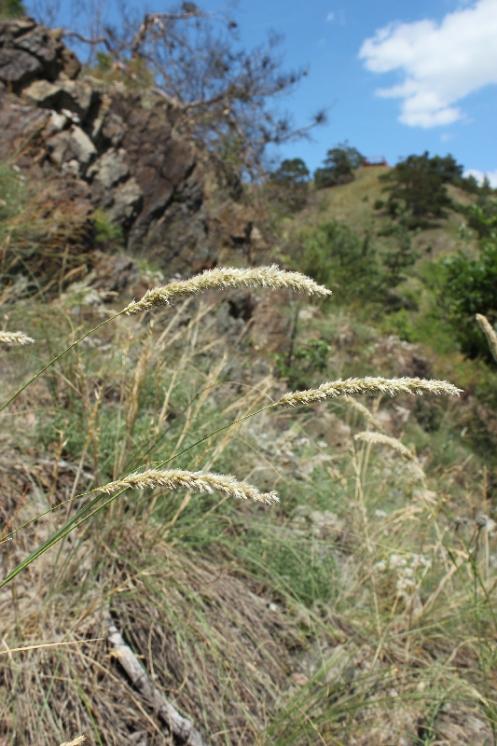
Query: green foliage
468, 287
106, 232
399, 259
482, 216
300, 367
12, 192
289, 184
338, 167
447, 168
12, 9
334, 255
291, 171
417, 188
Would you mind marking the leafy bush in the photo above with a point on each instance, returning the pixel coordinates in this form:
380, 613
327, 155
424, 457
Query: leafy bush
482, 217
335, 255
468, 286
301, 366
358, 267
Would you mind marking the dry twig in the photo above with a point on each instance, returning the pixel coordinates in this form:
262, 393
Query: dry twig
177, 724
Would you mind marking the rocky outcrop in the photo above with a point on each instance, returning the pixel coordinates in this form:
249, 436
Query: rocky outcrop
119, 148
30, 52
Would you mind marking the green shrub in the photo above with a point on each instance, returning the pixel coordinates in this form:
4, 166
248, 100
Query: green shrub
105, 230
468, 286
11, 9
307, 359
335, 255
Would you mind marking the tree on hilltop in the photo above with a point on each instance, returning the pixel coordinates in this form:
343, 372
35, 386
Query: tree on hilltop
338, 166
417, 188
289, 183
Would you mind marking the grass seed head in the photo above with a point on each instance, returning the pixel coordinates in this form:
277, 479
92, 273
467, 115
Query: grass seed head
15, 339
228, 277
489, 332
370, 436
369, 385
176, 479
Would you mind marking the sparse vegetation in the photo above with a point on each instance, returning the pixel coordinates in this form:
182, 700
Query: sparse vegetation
11, 9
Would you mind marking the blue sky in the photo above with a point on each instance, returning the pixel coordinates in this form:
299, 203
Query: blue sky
396, 77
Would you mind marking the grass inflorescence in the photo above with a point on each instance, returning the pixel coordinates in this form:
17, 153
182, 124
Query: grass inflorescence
14, 339
179, 479
271, 278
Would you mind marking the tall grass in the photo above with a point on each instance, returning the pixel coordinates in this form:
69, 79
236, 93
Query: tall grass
325, 619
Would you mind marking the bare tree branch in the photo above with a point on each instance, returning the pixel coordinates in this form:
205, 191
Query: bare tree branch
95, 42
160, 21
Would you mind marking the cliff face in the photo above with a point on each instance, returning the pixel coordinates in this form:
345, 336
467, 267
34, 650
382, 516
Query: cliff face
96, 145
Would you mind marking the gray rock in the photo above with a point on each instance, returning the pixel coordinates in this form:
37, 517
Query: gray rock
72, 145
110, 169
127, 202
77, 97
29, 52
57, 122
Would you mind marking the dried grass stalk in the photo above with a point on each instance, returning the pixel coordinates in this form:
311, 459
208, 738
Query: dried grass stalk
15, 339
489, 332
228, 277
369, 436
176, 479
368, 385
363, 411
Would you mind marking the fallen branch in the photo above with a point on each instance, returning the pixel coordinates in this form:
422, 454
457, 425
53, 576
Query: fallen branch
177, 724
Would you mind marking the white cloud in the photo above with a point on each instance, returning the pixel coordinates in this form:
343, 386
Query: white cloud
480, 176
440, 63
330, 17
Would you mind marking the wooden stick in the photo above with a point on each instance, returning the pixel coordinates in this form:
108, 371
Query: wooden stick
177, 724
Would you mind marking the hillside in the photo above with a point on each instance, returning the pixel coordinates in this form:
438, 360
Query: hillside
354, 204
147, 597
